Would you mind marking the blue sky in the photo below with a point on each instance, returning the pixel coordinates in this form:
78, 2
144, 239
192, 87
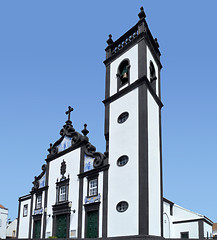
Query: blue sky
51, 56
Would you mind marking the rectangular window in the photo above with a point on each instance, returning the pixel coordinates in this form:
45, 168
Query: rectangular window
184, 234
38, 202
93, 188
25, 210
62, 193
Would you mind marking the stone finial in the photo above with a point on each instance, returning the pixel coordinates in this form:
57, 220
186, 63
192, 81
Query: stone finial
85, 131
142, 13
110, 41
156, 42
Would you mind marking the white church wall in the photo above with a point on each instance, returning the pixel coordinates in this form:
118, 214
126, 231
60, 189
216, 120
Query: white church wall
123, 181
85, 184
150, 58
100, 190
190, 227
24, 221
154, 167
207, 230
72, 160
3, 222
132, 55
181, 213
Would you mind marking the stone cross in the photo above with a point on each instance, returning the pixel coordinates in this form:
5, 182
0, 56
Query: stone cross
68, 112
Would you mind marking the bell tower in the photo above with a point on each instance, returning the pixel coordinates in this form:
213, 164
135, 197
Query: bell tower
133, 134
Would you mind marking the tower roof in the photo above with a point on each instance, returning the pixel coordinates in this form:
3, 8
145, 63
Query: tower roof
130, 38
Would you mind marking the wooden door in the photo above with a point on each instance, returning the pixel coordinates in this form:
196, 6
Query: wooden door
92, 224
61, 226
37, 229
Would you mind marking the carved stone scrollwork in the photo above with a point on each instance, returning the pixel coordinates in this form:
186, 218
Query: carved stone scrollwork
63, 169
37, 178
99, 158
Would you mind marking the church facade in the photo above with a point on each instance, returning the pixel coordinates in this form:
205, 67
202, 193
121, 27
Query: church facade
82, 193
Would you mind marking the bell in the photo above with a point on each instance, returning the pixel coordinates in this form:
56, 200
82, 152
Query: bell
125, 75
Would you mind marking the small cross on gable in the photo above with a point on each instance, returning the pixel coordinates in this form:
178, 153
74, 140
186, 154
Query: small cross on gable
70, 109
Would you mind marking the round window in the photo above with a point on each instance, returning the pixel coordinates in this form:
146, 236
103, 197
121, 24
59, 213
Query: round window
122, 160
123, 117
122, 206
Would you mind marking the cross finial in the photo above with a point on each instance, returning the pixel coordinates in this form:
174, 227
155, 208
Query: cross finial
70, 109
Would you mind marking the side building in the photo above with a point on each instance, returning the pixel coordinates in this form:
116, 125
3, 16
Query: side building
179, 222
3, 221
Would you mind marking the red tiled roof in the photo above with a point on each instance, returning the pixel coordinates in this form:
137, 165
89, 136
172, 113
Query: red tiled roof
3, 207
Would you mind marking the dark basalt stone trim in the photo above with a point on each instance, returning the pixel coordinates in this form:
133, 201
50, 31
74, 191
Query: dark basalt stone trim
143, 142
161, 170
18, 220
107, 81
161, 158
94, 171
130, 45
167, 201
45, 201
201, 229
66, 151
105, 204
80, 198
30, 218
89, 208
123, 50
137, 83
26, 197
39, 190
193, 220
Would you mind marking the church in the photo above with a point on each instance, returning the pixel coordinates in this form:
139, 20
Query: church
82, 193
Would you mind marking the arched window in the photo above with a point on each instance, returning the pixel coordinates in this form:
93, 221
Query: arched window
123, 74
153, 77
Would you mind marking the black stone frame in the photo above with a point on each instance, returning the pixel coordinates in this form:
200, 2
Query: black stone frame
26, 205
61, 209
36, 198
119, 84
37, 217
91, 207
89, 178
60, 184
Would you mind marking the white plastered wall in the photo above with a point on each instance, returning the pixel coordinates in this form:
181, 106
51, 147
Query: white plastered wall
207, 230
3, 222
123, 181
154, 167
123, 140
191, 227
24, 221
72, 160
